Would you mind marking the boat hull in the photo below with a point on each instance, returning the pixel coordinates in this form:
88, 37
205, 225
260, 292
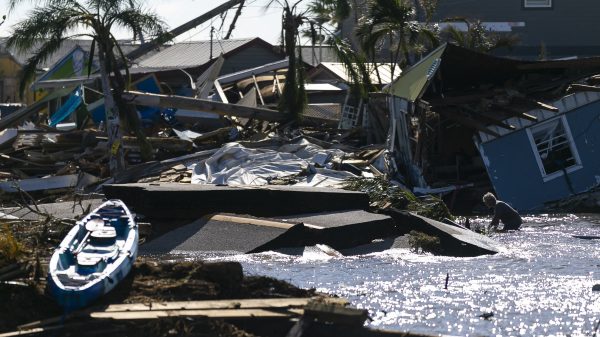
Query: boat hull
94, 257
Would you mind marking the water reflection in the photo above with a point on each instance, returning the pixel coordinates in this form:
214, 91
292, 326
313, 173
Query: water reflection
541, 286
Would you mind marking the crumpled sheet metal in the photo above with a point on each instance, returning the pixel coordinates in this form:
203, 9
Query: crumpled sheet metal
235, 164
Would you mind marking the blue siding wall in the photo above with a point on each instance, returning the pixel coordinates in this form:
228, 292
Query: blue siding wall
515, 174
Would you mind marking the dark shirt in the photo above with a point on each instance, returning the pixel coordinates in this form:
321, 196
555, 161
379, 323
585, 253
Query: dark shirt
507, 215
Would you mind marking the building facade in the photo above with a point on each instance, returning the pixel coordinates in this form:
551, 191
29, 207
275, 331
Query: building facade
546, 28
548, 160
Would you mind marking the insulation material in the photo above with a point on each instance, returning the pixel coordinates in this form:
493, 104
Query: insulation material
235, 164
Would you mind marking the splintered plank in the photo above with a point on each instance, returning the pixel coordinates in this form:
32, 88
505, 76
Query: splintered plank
215, 313
216, 304
251, 221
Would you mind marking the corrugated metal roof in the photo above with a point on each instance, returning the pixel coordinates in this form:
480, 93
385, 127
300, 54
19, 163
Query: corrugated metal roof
191, 54
339, 69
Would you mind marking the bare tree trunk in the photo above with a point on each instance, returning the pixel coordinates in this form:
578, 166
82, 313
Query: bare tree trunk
113, 123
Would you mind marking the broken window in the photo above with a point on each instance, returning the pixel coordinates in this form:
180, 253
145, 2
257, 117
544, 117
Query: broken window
554, 146
537, 3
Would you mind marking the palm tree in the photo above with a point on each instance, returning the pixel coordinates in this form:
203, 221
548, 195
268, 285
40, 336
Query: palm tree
332, 12
52, 22
477, 37
392, 25
293, 100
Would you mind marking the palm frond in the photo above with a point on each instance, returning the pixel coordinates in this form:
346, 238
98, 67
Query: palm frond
355, 64
43, 24
139, 21
456, 36
91, 57
12, 4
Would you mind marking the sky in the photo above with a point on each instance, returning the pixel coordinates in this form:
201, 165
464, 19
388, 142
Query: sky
254, 22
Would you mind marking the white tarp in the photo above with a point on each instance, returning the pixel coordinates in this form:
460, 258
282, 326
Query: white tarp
235, 164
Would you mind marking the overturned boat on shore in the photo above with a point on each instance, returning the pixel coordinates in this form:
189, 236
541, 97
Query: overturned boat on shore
95, 255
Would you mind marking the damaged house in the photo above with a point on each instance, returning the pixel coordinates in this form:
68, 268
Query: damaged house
476, 122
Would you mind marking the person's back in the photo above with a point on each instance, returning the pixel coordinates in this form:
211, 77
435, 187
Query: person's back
502, 213
507, 215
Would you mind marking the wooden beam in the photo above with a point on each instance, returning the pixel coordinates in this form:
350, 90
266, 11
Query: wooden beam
194, 104
251, 221
545, 106
514, 113
582, 87
216, 313
213, 304
593, 80
527, 116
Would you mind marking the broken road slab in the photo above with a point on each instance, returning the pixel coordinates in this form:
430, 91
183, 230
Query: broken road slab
227, 233
192, 201
454, 241
346, 228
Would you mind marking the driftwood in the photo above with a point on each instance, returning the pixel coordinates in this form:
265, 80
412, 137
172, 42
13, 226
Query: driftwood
236, 308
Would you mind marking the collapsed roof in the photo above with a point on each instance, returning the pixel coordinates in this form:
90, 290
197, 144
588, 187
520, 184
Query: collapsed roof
477, 89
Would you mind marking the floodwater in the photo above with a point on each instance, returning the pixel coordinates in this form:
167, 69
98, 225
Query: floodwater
541, 285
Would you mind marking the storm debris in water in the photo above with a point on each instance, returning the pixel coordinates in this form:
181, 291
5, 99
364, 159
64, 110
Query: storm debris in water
421, 242
383, 194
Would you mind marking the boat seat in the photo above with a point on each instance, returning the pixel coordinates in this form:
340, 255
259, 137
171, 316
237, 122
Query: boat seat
89, 264
105, 232
88, 260
103, 235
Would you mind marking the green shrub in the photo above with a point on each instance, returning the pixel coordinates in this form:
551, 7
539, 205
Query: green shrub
420, 242
10, 248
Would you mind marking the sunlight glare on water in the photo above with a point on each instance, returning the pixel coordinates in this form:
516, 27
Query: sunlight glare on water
540, 286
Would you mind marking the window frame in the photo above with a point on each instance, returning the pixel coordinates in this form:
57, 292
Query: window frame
572, 146
529, 6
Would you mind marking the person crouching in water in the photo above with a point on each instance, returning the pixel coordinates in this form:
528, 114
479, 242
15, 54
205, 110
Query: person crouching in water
502, 213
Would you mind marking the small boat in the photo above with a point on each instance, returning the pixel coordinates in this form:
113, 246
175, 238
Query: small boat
96, 254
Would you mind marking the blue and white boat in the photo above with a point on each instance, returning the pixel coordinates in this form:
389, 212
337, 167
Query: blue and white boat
96, 254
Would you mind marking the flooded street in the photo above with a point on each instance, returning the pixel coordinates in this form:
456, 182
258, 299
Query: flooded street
540, 285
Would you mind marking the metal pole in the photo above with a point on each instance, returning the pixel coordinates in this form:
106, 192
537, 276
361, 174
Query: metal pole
212, 31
